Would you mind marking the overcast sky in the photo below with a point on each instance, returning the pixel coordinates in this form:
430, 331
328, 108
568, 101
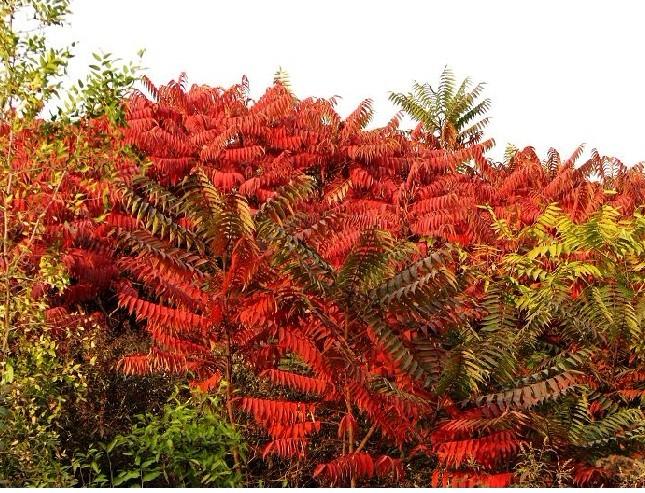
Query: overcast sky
560, 73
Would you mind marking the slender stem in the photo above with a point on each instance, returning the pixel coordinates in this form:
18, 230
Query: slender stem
350, 431
5, 249
229, 371
229, 397
367, 436
7, 109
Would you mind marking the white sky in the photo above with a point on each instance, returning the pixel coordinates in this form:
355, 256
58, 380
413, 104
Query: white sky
559, 73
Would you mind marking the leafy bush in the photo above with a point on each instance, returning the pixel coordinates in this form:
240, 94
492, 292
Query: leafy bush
35, 388
188, 444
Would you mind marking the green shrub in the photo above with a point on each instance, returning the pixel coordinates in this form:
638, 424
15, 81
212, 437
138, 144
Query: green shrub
35, 386
188, 444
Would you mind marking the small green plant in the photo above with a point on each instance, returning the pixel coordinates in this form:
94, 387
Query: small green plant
103, 91
188, 444
535, 469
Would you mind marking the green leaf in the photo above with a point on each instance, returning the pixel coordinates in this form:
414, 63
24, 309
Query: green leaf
7, 376
149, 476
126, 476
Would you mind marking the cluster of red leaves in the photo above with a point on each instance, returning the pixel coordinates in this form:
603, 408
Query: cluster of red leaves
60, 186
407, 184
381, 178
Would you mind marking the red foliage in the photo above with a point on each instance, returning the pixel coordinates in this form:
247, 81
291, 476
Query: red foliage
381, 178
205, 301
360, 466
